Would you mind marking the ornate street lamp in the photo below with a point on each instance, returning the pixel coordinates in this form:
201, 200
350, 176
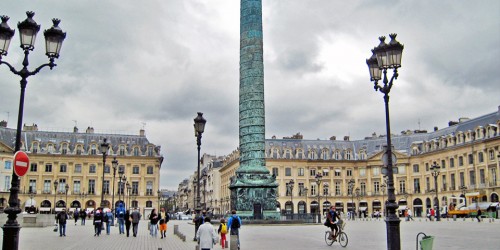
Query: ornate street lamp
104, 152
28, 29
56, 183
290, 186
351, 189
435, 173
114, 162
199, 128
388, 56
359, 196
66, 188
318, 177
120, 184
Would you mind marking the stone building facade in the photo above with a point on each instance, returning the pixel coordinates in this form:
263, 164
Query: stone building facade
74, 160
467, 152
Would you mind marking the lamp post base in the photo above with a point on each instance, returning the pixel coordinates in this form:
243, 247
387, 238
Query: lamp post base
393, 233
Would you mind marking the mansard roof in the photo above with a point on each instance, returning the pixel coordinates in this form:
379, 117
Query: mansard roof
402, 143
8, 137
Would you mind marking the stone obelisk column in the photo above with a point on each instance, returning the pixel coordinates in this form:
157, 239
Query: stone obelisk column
253, 190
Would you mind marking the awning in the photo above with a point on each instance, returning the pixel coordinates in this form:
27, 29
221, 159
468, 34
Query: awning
338, 170
43, 209
362, 209
401, 207
30, 202
326, 170
494, 204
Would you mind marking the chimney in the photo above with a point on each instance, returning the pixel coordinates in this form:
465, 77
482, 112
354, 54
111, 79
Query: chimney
90, 130
75, 129
33, 127
346, 138
463, 119
435, 128
3, 124
333, 138
451, 123
142, 133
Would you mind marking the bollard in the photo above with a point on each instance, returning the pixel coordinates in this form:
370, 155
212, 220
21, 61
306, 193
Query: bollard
234, 242
176, 229
197, 247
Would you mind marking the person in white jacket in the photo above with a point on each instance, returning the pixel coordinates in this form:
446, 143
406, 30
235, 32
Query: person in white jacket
206, 235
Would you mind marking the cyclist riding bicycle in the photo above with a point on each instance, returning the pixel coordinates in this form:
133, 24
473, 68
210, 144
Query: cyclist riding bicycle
330, 222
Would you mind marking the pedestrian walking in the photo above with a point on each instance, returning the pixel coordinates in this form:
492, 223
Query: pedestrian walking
108, 218
478, 215
120, 215
83, 216
206, 235
164, 218
234, 223
61, 218
198, 220
223, 231
76, 214
153, 223
98, 219
410, 215
136, 217
128, 221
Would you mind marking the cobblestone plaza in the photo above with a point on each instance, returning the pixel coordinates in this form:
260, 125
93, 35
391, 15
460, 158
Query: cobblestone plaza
371, 235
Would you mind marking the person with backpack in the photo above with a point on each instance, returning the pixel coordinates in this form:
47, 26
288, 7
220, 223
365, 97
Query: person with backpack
234, 223
164, 218
223, 231
98, 218
108, 218
120, 214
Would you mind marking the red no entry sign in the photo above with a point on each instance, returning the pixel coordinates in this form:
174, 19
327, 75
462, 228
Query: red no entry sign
21, 163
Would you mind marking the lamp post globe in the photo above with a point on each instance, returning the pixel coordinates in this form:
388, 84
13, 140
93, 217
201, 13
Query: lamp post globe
384, 57
28, 29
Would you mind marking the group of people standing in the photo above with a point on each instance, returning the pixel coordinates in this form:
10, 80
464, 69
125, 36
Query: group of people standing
158, 221
205, 232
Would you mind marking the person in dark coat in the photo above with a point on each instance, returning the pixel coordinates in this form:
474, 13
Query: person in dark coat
83, 216
128, 222
61, 218
98, 219
76, 214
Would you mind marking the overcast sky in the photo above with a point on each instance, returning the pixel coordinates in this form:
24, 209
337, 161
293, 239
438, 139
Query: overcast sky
130, 64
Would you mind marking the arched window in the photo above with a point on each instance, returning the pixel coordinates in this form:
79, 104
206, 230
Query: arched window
348, 155
337, 155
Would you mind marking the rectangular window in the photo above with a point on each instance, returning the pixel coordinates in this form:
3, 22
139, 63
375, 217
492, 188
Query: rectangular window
275, 172
91, 187
78, 168
362, 172
62, 168
107, 169
376, 171
402, 186
426, 167
325, 172
481, 157
443, 181
92, 169
471, 159
452, 163
150, 170
33, 167
415, 168
106, 187
135, 187
7, 183
301, 172
32, 188
135, 170
482, 177
376, 187
472, 177
288, 172
313, 190
443, 164
149, 188
301, 189
427, 184
46, 186
452, 182
48, 167
8, 165
460, 161
62, 186
312, 172
462, 179
416, 185
76, 187
337, 188
401, 169
349, 172
338, 172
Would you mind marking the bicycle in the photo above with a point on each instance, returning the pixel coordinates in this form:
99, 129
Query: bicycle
341, 235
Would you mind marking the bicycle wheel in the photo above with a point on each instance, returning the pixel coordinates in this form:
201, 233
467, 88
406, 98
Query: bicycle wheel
328, 240
343, 240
